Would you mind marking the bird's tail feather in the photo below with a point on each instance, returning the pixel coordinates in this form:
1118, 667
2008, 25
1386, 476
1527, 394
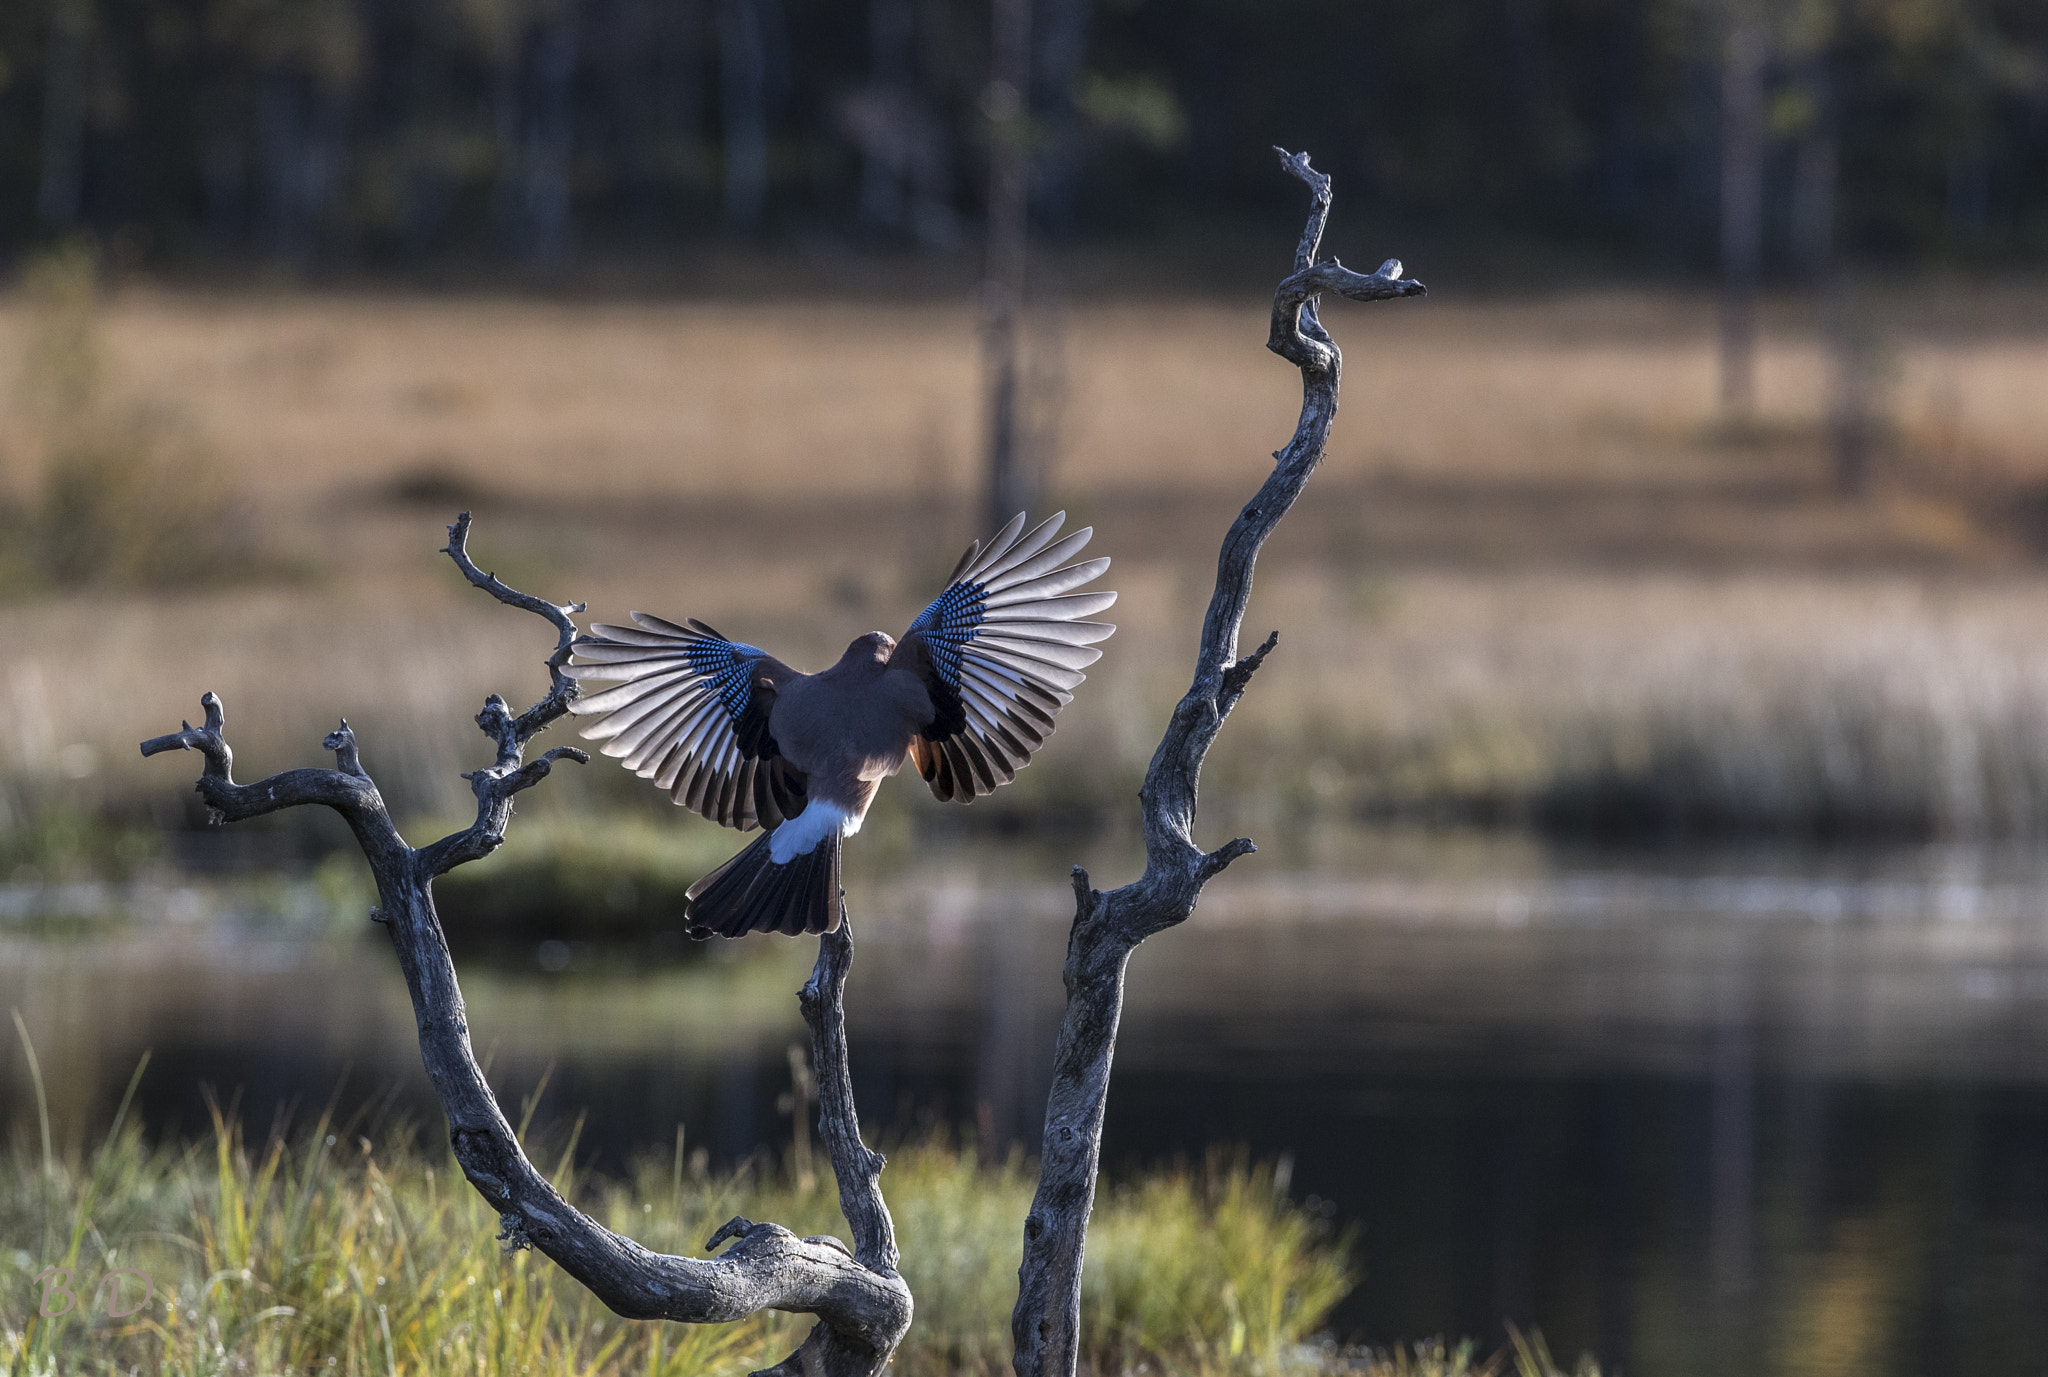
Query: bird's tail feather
751, 893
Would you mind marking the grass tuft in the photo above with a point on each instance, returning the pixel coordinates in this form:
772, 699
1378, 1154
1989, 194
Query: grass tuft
330, 1253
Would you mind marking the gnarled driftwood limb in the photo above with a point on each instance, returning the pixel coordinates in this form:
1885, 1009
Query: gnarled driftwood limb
1045, 1326
863, 1305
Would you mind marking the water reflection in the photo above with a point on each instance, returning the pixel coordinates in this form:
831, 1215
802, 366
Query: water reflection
1750, 1112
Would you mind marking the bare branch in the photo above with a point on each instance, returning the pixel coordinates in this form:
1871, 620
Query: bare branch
562, 689
858, 1168
1318, 208
1298, 336
495, 785
348, 792
220, 761
342, 741
735, 1227
1239, 675
863, 1304
1045, 1326
1214, 862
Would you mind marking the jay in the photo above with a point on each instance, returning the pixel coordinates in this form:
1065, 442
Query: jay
735, 735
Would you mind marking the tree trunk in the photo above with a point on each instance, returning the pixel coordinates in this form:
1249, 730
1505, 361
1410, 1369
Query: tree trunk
1011, 488
1857, 424
280, 109
1814, 173
1742, 172
1062, 52
1046, 1324
884, 166
61, 187
551, 141
743, 86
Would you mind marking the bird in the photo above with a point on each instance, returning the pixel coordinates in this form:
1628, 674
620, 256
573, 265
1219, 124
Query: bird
968, 694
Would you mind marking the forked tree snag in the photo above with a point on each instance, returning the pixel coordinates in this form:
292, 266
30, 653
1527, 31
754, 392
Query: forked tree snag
1045, 1326
862, 1304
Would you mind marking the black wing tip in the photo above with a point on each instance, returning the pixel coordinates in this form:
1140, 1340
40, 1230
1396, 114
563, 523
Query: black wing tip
973, 549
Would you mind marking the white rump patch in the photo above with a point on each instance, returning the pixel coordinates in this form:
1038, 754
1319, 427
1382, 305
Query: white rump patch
800, 835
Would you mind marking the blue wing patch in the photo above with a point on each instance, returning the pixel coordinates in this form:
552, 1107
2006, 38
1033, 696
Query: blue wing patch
948, 625
1003, 649
728, 666
690, 710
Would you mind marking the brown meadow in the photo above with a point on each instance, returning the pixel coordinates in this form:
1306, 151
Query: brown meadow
1537, 581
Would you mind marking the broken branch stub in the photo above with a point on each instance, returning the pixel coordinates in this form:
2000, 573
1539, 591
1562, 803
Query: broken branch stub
1045, 1326
863, 1305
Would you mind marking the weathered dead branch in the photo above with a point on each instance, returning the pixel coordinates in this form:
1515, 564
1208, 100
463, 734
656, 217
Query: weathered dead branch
863, 1305
1045, 1326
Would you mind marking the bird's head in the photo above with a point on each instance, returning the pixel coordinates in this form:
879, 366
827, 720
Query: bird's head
875, 646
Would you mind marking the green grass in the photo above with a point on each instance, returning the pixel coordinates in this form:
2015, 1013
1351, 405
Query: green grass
46, 838
333, 1254
1526, 1356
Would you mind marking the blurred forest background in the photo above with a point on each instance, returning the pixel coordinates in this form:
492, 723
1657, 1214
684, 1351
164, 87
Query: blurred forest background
347, 134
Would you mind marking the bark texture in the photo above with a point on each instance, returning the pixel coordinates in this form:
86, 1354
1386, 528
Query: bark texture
1045, 1326
862, 1304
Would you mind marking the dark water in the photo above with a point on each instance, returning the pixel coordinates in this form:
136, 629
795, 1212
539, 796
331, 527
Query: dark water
1745, 1113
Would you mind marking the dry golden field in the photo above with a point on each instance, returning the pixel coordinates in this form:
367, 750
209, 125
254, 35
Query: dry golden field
1535, 579
309, 395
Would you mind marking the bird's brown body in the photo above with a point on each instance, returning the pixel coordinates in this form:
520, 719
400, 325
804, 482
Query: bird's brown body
849, 727
733, 733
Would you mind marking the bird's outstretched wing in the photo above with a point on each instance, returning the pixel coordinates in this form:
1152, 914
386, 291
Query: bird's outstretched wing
692, 715
1000, 651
